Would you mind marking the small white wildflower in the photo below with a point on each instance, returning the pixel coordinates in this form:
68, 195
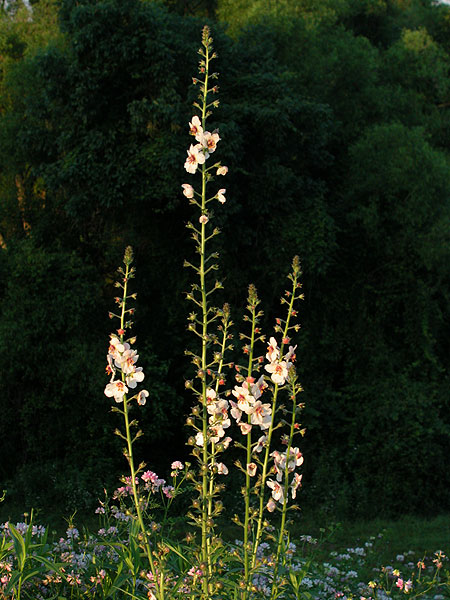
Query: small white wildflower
221, 196
188, 190
142, 397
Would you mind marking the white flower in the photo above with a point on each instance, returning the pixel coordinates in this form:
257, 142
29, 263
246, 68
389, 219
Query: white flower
195, 128
222, 409
210, 394
270, 505
188, 190
244, 399
245, 428
127, 360
218, 408
226, 442
142, 397
218, 431
221, 469
235, 412
110, 369
222, 170
295, 458
251, 469
115, 347
277, 490
195, 158
203, 219
261, 415
296, 483
279, 371
221, 196
258, 388
116, 389
135, 377
211, 404
279, 463
260, 444
199, 439
209, 142
291, 354
272, 351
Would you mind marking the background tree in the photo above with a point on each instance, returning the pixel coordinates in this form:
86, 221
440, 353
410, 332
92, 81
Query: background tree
334, 118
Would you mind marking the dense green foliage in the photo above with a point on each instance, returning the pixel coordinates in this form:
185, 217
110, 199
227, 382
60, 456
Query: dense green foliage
334, 118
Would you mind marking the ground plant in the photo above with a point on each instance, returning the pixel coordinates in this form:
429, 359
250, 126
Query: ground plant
245, 417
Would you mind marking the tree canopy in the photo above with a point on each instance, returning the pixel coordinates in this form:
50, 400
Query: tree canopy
334, 118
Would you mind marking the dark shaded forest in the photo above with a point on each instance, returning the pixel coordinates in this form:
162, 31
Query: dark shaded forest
334, 118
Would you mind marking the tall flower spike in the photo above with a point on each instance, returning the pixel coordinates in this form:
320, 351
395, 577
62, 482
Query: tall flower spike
209, 416
122, 361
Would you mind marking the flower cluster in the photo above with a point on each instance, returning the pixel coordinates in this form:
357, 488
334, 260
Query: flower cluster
248, 401
154, 484
219, 420
207, 143
121, 357
279, 369
279, 466
197, 155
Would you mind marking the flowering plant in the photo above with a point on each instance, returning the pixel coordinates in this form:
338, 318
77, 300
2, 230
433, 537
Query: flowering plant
248, 416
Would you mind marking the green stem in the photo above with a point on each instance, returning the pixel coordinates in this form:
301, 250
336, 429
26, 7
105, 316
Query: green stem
206, 473
286, 494
213, 446
249, 458
263, 480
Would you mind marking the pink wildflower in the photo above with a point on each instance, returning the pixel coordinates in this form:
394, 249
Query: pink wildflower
149, 476
168, 491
